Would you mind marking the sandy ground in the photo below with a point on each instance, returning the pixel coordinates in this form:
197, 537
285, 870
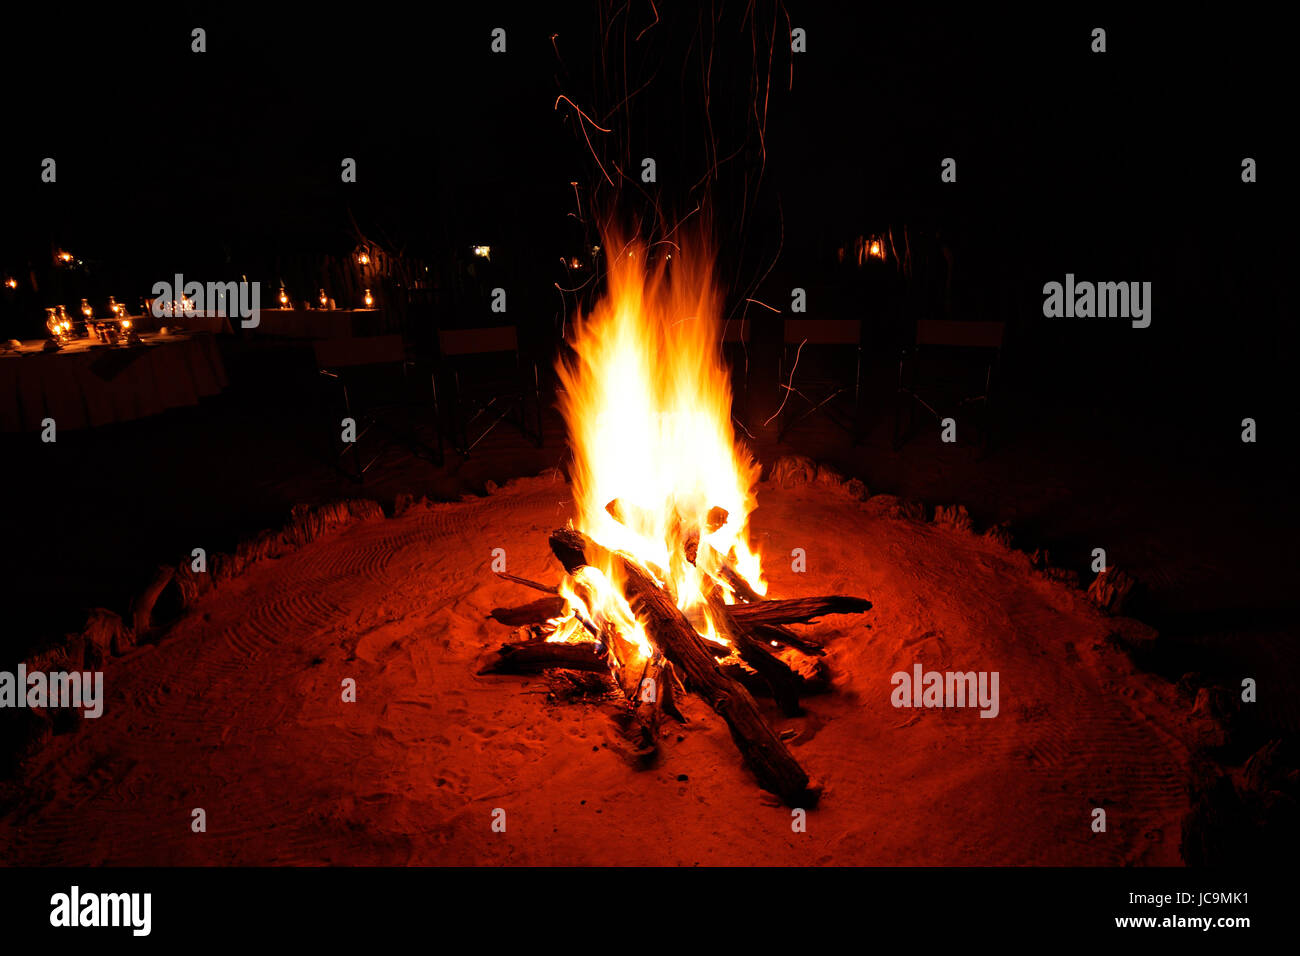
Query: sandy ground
238, 711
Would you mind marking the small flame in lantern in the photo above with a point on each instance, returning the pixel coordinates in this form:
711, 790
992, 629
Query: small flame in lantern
647, 402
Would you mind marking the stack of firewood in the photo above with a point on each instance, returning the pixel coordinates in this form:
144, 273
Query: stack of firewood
725, 677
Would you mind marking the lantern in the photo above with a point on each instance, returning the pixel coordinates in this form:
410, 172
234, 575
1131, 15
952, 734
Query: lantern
11, 282
86, 310
483, 252
370, 300
284, 298
363, 259
324, 299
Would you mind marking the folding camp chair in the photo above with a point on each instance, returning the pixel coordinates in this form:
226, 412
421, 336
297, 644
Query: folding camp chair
953, 344
806, 379
486, 378
371, 376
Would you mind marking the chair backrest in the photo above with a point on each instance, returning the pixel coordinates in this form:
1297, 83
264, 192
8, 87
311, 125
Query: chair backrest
956, 333
823, 331
501, 338
359, 350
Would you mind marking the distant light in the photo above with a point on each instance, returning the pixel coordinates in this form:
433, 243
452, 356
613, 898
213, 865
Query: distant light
324, 299
65, 257
363, 259
11, 282
370, 299
284, 296
483, 252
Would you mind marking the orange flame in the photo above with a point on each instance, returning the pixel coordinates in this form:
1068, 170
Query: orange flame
647, 402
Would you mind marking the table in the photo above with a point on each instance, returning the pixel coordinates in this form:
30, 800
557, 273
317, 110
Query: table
88, 384
197, 322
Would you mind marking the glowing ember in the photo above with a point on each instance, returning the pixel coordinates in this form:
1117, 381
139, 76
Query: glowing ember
657, 470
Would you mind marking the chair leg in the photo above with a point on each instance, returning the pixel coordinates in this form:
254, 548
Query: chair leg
359, 475
460, 433
537, 397
898, 406
986, 416
911, 391
437, 416
857, 400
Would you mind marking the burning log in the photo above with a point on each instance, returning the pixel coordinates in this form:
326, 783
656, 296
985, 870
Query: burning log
640, 724
671, 688
714, 520
535, 612
783, 635
533, 657
768, 632
726, 572
774, 671
795, 610
763, 751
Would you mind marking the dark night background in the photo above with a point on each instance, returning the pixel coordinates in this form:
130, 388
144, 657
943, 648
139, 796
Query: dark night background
1124, 166
1117, 166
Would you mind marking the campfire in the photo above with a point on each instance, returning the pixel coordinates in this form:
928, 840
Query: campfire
663, 592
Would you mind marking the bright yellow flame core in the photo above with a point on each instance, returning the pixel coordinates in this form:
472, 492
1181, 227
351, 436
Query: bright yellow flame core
647, 402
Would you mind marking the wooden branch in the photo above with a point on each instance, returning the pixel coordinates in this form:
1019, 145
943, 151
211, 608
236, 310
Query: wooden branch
535, 612
532, 657
796, 610
536, 586
714, 520
809, 644
726, 573
672, 691
774, 671
765, 754
783, 635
